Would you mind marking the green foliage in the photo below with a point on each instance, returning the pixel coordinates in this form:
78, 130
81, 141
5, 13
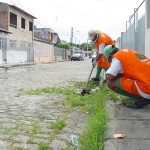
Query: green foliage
18, 148
58, 125
94, 136
92, 104
63, 45
114, 96
44, 91
43, 146
4, 68
35, 127
77, 84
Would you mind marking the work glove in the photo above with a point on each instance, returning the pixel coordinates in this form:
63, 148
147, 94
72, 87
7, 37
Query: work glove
94, 63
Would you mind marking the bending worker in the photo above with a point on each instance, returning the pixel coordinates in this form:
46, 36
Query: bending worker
129, 75
100, 40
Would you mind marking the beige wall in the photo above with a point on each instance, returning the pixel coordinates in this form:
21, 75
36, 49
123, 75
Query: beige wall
20, 34
43, 52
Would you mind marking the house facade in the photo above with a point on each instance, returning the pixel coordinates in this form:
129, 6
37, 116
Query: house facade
21, 41
3, 45
19, 25
44, 44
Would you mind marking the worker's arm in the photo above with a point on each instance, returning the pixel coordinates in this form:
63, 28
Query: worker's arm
98, 56
100, 51
96, 59
110, 77
115, 69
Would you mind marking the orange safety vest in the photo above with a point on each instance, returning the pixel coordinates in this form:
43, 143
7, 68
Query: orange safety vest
136, 67
103, 62
103, 38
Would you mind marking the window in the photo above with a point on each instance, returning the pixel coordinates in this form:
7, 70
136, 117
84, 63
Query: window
13, 43
30, 44
30, 26
13, 20
23, 23
22, 44
3, 43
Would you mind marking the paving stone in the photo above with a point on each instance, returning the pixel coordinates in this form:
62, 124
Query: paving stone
8, 125
19, 112
3, 145
42, 135
58, 145
4, 137
64, 136
26, 146
39, 140
20, 138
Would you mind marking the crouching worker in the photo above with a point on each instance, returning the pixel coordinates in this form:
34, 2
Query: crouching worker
128, 75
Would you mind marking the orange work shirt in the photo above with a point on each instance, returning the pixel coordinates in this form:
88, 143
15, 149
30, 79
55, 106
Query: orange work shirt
136, 67
103, 62
103, 38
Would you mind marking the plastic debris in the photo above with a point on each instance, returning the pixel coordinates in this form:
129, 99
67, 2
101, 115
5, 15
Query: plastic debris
119, 135
94, 90
74, 141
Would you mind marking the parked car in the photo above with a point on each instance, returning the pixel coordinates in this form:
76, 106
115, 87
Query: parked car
93, 56
77, 57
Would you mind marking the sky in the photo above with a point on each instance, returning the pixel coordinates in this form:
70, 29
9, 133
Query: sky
109, 16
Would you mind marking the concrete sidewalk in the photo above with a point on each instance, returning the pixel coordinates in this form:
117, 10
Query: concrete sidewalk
24, 64
134, 123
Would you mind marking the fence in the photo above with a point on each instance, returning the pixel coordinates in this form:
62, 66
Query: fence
3, 47
60, 53
134, 36
12, 51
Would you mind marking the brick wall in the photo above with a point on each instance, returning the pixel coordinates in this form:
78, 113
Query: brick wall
4, 20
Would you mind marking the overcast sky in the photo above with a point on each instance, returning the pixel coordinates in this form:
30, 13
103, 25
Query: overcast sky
109, 16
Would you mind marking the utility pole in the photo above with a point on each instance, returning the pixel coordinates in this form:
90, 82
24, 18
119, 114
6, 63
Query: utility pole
71, 41
87, 47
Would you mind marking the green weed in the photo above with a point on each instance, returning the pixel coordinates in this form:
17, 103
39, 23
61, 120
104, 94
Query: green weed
58, 125
44, 91
35, 127
92, 104
43, 146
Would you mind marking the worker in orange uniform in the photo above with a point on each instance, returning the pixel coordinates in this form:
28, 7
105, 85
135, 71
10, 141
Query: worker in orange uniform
129, 75
100, 40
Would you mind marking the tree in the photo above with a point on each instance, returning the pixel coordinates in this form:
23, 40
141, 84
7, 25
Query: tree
84, 46
63, 45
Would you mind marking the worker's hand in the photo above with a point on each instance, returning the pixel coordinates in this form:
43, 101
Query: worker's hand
94, 63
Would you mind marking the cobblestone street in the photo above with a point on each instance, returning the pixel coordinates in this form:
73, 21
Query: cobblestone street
19, 114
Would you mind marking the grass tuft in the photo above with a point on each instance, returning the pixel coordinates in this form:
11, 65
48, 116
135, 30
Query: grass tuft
93, 105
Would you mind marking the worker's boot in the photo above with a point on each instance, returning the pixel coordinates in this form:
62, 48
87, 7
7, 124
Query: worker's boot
139, 104
96, 79
104, 81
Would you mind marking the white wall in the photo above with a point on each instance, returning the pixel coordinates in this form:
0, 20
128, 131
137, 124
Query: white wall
147, 43
147, 29
16, 56
1, 57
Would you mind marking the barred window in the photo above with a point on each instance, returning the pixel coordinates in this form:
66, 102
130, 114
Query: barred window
23, 22
30, 26
13, 20
30, 44
13, 43
0, 43
22, 44
3, 43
